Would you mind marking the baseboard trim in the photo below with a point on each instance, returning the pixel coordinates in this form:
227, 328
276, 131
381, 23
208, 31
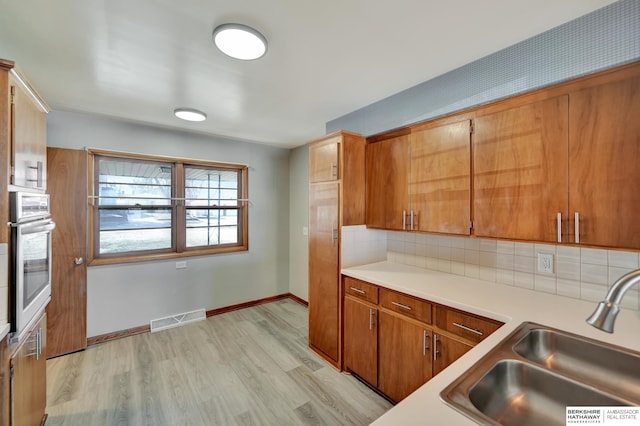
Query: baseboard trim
146, 329
118, 335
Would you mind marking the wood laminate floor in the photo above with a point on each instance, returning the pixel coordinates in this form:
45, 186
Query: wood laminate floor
247, 367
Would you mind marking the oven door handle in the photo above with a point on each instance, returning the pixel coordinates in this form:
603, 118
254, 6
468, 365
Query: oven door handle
45, 225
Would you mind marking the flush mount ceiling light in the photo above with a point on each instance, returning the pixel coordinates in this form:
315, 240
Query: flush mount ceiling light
240, 41
189, 114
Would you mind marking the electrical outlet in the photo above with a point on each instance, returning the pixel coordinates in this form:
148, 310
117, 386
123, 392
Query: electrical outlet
181, 265
545, 262
305, 231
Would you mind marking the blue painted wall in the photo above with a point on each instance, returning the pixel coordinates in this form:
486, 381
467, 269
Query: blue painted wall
602, 39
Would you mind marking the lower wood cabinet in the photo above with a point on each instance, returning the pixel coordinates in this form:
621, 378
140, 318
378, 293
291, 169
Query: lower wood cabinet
29, 377
361, 340
396, 342
404, 356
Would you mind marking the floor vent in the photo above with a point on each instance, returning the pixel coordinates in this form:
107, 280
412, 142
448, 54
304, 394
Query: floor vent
177, 320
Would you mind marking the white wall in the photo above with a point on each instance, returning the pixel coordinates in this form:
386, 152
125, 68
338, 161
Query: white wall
299, 219
130, 295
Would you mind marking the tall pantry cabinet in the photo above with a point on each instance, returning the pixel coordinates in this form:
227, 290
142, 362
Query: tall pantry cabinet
336, 199
23, 167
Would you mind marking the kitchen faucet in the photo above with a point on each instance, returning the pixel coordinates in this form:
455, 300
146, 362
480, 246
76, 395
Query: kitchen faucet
605, 314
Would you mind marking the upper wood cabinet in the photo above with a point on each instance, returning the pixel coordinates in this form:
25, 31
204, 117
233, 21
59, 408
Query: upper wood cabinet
387, 187
420, 181
440, 183
336, 199
324, 160
520, 161
604, 179
28, 133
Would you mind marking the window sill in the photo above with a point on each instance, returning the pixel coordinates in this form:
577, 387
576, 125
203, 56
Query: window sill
165, 256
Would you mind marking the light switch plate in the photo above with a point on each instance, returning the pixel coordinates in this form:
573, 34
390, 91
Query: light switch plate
181, 265
545, 263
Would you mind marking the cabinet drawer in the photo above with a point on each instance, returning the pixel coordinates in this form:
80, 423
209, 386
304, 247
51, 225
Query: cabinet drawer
406, 305
361, 289
469, 326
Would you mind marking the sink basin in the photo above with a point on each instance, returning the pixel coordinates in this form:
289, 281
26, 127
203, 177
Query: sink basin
519, 394
536, 372
600, 365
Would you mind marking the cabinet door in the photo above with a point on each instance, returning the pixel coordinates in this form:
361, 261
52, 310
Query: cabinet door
447, 350
323, 160
28, 139
361, 340
29, 379
520, 161
324, 289
404, 356
440, 185
387, 183
604, 153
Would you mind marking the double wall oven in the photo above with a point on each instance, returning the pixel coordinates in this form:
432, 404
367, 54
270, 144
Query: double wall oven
30, 266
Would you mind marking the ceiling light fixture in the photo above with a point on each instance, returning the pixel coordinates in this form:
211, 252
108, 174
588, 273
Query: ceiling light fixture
240, 41
189, 114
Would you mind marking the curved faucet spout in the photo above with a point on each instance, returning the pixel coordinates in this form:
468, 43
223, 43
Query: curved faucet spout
605, 314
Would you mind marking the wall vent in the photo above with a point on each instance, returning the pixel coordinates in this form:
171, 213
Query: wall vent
177, 320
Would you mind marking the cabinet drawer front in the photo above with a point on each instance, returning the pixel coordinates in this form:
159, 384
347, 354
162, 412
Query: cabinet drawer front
406, 305
361, 289
469, 326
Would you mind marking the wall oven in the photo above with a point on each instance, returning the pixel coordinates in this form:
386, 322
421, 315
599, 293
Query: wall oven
30, 266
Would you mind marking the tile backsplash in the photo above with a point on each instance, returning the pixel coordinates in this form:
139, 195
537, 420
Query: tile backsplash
361, 245
576, 272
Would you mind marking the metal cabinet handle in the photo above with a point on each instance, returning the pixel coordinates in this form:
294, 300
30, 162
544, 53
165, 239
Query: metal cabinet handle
38, 344
464, 327
334, 235
334, 170
371, 318
404, 220
400, 305
357, 290
411, 220
577, 227
435, 347
559, 227
425, 342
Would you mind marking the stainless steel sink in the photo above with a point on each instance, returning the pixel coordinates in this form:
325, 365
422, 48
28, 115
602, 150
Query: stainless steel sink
535, 372
600, 365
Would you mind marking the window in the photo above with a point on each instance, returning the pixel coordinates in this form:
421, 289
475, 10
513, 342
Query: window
151, 207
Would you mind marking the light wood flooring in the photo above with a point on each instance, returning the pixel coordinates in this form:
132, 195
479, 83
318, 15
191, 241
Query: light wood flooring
247, 367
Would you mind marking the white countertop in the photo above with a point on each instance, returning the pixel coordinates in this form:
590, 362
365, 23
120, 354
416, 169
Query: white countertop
510, 305
4, 330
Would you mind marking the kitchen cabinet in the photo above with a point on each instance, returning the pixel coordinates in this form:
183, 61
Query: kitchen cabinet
361, 339
415, 340
404, 356
446, 350
333, 203
387, 170
29, 377
420, 180
4, 381
67, 311
604, 179
324, 160
440, 183
28, 133
520, 173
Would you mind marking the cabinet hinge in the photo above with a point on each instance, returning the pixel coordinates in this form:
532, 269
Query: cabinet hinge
13, 93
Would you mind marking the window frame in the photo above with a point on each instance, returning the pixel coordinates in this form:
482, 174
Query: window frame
178, 210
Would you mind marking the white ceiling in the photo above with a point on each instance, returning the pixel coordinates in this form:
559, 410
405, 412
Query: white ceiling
140, 59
